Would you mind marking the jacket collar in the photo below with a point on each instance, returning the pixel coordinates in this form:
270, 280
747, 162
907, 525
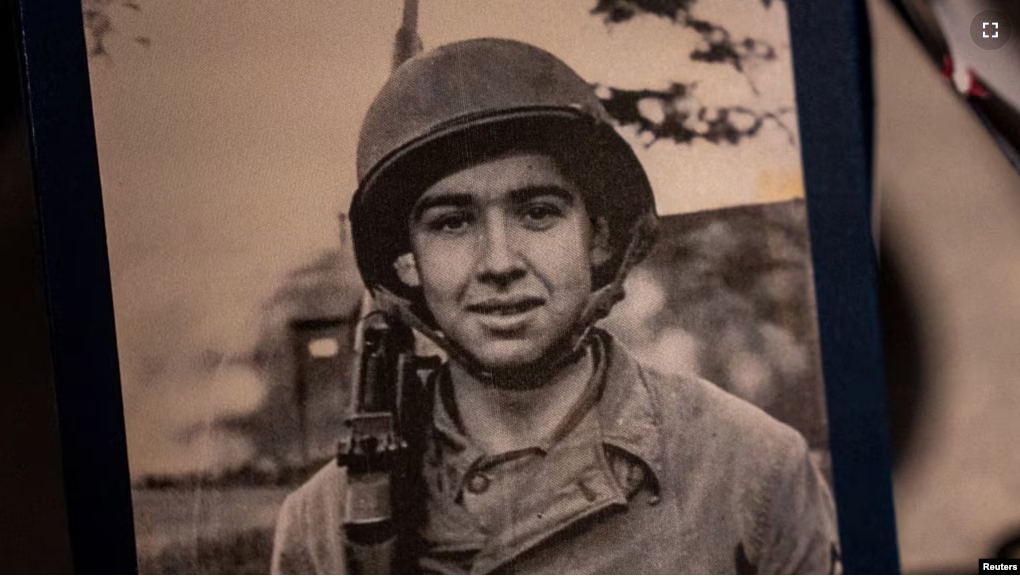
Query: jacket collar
575, 480
627, 410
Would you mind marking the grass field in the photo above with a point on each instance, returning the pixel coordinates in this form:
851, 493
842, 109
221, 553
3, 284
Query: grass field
205, 531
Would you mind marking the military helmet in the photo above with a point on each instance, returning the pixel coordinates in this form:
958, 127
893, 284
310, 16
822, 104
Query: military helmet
469, 101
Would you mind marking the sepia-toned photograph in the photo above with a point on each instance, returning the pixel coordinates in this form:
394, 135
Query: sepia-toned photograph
460, 287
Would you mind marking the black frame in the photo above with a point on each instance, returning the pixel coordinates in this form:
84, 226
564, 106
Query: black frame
833, 87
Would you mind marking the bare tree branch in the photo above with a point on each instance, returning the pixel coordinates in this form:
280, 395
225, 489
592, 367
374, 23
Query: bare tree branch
99, 25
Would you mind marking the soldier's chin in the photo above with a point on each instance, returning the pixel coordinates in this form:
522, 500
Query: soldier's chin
502, 358
522, 367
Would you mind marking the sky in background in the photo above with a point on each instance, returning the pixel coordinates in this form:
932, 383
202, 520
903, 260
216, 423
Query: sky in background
227, 150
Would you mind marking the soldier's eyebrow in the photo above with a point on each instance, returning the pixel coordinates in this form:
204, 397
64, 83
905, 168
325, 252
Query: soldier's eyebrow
527, 193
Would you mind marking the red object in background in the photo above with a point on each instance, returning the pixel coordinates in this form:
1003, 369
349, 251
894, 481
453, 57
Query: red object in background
974, 86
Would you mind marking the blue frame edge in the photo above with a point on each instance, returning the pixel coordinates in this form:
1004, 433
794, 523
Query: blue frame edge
832, 66
77, 277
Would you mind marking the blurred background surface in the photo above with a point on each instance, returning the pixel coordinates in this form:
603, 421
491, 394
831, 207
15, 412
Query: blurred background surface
948, 220
948, 215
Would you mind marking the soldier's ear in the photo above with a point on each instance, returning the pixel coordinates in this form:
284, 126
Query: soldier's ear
407, 270
601, 251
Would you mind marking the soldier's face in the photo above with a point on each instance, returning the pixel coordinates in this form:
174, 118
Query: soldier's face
504, 251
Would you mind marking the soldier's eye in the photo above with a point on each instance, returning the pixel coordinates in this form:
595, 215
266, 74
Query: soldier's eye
541, 213
448, 222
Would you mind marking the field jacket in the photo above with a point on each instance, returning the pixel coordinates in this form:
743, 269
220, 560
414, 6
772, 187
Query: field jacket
666, 474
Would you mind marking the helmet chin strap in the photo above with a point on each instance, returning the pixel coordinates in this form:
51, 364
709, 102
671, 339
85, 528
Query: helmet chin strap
572, 348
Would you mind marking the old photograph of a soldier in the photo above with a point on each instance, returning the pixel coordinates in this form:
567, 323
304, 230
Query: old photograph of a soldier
568, 326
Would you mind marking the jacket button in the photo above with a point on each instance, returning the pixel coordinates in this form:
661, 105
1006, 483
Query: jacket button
478, 483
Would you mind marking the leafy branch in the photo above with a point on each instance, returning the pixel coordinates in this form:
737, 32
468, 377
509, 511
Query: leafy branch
673, 113
670, 115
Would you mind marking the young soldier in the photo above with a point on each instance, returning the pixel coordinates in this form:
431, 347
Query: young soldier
500, 212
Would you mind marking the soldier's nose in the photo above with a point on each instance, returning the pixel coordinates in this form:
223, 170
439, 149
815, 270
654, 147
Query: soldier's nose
499, 262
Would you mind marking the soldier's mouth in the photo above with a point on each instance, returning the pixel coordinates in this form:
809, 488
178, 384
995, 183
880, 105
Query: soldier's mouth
505, 307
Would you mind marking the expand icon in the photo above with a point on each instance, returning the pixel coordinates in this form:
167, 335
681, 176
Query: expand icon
990, 29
